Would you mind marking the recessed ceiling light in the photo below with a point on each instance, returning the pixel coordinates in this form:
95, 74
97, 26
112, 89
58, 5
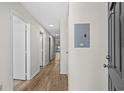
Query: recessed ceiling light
51, 25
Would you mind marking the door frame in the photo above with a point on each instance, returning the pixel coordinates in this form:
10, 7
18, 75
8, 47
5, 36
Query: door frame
28, 52
41, 34
28, 63
49, 48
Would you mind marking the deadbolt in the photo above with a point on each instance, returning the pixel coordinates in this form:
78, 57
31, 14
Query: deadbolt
108, 57
105, 66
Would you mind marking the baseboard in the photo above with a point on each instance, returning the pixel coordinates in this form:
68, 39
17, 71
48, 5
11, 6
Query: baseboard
63, 73
35, 73
0, 87
52, 59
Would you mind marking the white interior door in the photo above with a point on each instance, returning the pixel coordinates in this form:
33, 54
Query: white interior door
41, 49
19, 61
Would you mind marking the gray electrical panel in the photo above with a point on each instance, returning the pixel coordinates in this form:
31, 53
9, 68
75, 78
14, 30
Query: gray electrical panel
82, 35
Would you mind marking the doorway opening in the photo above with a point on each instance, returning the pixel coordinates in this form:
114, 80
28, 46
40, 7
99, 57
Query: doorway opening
21, 50
41, 50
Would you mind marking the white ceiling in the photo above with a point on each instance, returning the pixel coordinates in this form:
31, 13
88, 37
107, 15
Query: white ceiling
48, 13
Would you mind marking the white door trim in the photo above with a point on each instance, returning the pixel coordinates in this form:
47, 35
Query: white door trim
28, 52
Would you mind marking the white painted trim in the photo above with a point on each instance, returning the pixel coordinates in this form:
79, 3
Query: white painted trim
35, 73
11, 47
17, 14
0, 87
28, 53
62, 72
44, 52
47, 63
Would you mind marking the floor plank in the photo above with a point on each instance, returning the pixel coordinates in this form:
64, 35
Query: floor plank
48, 79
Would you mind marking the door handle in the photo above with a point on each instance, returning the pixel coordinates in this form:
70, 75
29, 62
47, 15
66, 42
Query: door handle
105, 66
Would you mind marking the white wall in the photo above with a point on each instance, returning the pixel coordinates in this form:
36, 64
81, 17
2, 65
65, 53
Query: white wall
8, 9
64, 45
35, 64
86, 70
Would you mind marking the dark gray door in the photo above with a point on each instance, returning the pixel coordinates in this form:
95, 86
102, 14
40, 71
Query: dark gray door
115, 46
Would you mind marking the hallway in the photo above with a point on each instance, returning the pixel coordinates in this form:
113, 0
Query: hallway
61, 46
48, 79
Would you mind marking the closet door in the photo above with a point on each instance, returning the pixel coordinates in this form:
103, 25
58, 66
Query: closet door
19, 59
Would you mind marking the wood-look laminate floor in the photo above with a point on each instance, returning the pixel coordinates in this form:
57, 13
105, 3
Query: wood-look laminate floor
48, 79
